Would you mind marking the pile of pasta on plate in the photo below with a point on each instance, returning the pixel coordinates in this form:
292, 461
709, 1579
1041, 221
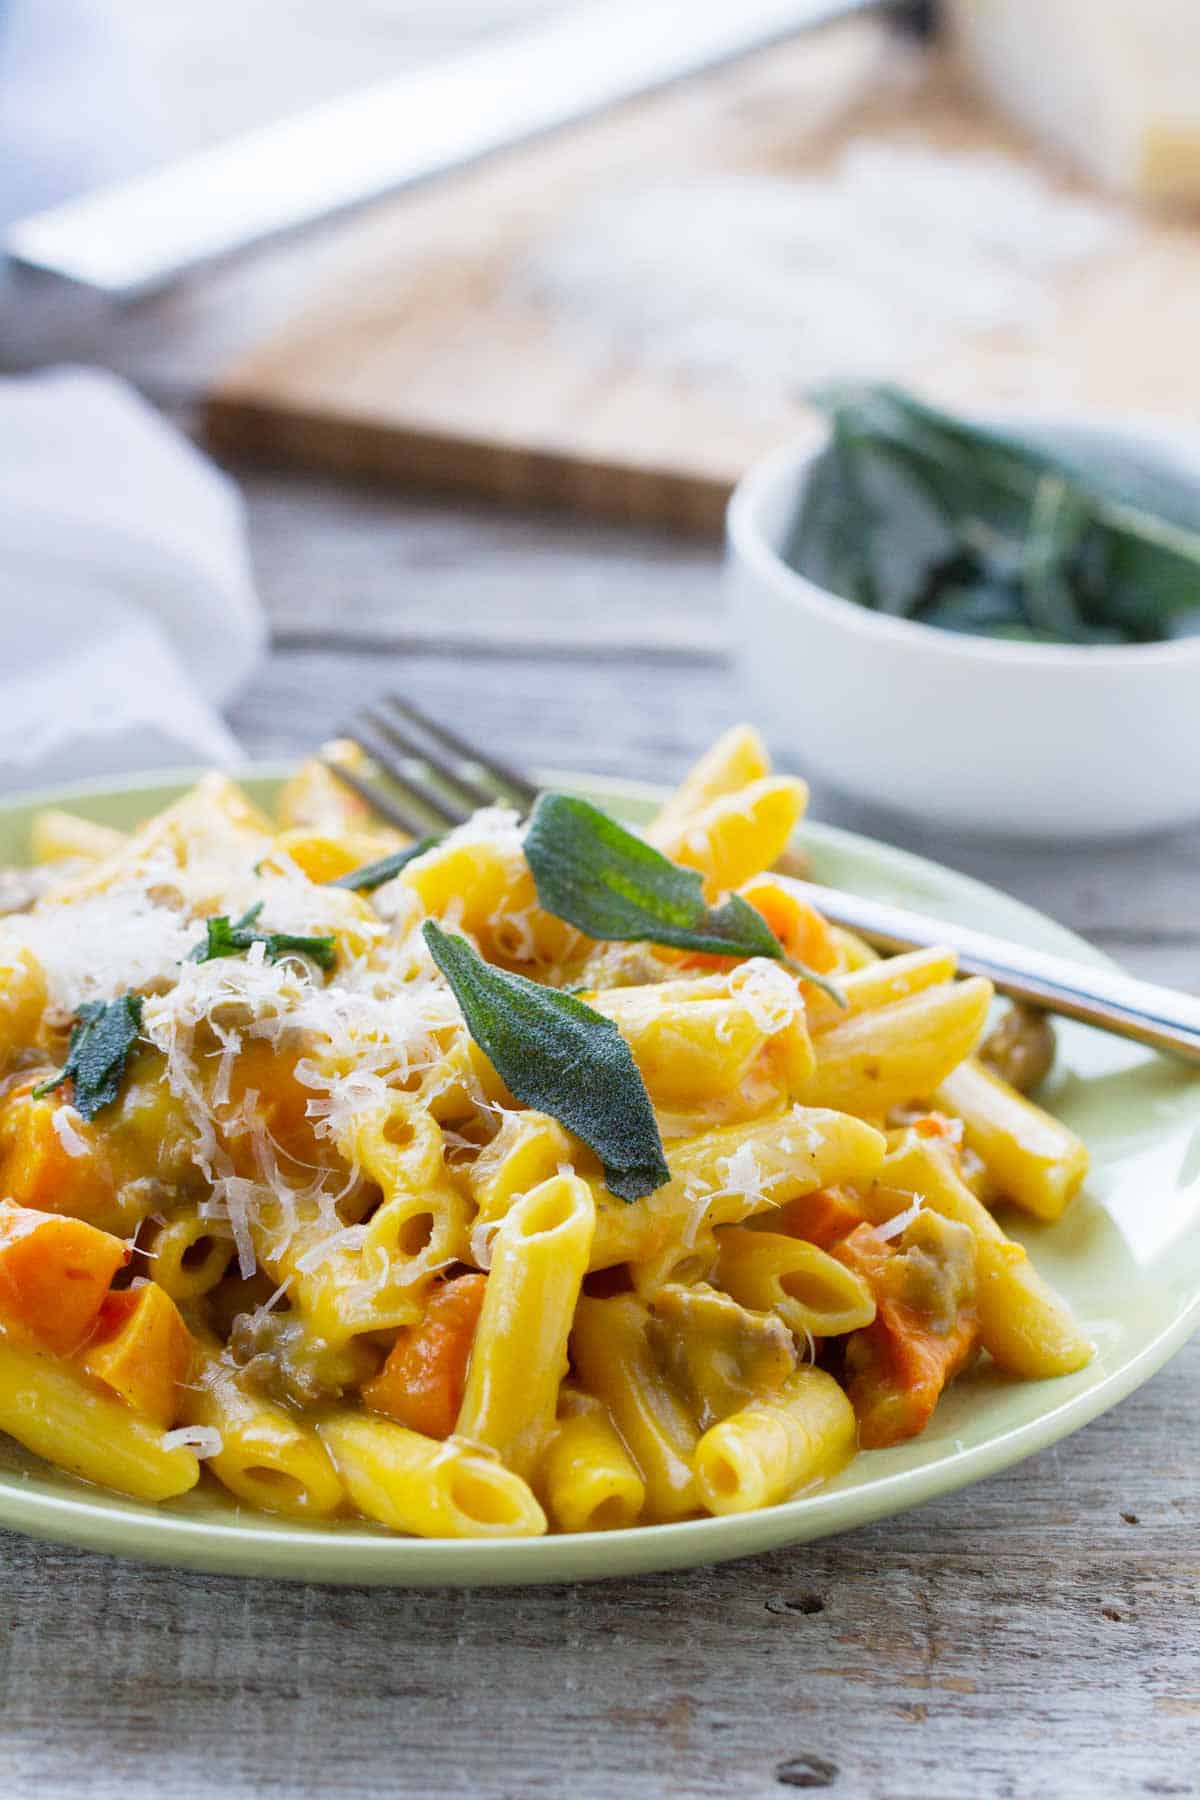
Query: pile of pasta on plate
543, 1176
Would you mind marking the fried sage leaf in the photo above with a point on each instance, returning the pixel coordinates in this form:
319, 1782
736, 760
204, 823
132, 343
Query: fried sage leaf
226, 937
1078, 544
102, 1037
372, 875
610, 884
558, 1055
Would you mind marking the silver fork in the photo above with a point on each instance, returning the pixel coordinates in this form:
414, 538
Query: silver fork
437, 779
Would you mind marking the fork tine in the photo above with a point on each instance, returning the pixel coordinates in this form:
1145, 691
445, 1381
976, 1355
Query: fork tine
378, 800
403, 772
461, 786
476, 763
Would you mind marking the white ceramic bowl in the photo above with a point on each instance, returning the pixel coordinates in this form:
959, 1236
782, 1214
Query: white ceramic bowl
988, 737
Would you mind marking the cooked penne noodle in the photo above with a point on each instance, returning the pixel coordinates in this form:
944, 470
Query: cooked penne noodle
58, 836
588, 1478
482, 882
725, 1175
430, 1487
881, 983
612, 1354
56, 1411
210, 830
738, 758
761, 1455
697, 1040
268, 1458
854, 952
811, 1292
519, 1357
528, 1148
314, 799
901, 1052
734, 836
676, 1263
22, 998
342, 1295
1024, 1324
188, 1256
1032, 1157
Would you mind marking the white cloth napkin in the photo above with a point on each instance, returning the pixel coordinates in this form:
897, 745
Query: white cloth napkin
129, 613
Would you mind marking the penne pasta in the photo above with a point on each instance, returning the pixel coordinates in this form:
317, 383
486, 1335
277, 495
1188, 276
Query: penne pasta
738, 758
58, 836
188, 1256
881, 983
1024, 1324
814, 1294
412, 1483
723, 1176
519, 1356
589, 1480
737, 835
616, 1365
761, 1455
528, 1148
56, 1411
897, 1053
1031, 1157
267, 1458
23, 998
696, 1041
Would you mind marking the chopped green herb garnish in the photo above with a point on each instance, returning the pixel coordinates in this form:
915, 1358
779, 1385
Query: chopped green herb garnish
223, 937
1039, 538
560, 1056
102, 1037
373, 875
610, 884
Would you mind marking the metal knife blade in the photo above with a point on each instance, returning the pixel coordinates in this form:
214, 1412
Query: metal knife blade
134, 236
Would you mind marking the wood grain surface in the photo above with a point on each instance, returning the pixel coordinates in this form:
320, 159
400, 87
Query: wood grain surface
1033, 1638
421, 359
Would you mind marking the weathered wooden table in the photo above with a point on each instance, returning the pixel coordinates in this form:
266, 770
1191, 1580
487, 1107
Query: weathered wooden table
1034, 1636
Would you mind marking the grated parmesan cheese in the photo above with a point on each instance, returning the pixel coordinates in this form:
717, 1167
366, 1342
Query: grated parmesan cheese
483, 1242
768, 992
66, 1122
380, 1022
900, 1222
201, 1440
741, 1174
106, 944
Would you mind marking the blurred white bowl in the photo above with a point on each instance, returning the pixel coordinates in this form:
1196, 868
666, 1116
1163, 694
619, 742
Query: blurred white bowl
988, 737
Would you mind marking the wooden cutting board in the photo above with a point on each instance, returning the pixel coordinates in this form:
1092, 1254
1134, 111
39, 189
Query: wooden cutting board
419, 366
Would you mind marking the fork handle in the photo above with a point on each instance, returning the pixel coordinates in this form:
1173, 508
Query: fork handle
1158, 1016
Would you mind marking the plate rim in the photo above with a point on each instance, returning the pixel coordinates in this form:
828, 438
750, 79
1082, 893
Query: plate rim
339, 1555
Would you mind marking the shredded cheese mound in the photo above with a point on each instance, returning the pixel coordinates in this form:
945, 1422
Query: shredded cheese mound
356, 1037
104, 944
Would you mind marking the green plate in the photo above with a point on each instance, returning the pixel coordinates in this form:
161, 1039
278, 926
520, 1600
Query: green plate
1126, 1255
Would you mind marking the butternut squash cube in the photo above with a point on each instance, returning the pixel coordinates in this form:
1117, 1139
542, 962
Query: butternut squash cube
54, 1275
142, 1350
